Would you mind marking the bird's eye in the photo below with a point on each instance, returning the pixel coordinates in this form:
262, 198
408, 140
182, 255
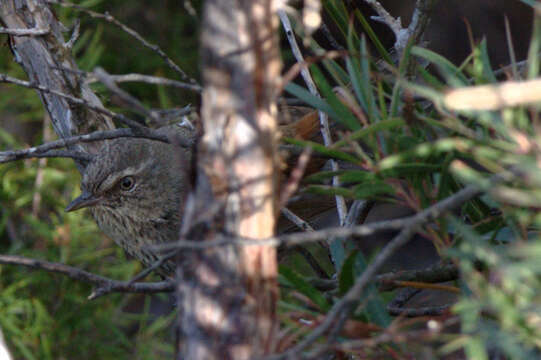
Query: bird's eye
127, 183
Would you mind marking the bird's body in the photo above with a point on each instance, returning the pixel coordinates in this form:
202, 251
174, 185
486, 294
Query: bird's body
135, 189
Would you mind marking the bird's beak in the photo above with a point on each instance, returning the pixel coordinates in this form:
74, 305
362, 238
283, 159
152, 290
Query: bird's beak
86, 199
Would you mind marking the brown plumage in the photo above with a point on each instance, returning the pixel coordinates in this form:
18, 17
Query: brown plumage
135, 189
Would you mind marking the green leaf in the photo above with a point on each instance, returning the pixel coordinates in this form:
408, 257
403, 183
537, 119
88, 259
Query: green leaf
430, 79
330, 190
371, 129
453, 74
336, 154
372, 189
305, 288
488, 73
353, 267
346, 277
322, 175
338, 13
535, 46
340, 112
429, 93
338, 74
354, 176
373, 37
411, 169
312, 100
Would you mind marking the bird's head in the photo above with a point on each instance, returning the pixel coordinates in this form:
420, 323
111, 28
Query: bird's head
138, 178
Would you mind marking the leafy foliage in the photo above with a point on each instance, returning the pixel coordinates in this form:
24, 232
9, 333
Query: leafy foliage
399, 145
414, 152
46, 316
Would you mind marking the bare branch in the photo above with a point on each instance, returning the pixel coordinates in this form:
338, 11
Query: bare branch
122, 118
393, 280
8, 156
131, 101
295, 178
38, 55
422, 217
44, 150
323, 118
24, 32
74, 35
350, 300
90, 78
433, 274
396, 307
149, 80
295, 219
419, 21
109, 18
85, 276
153, 267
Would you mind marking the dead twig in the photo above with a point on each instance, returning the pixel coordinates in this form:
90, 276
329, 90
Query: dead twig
323, 118
46, 150
128, 99
111, 19
419, 21
156, 80
350, 300
85, 276
295, 177
123, 119
24, 32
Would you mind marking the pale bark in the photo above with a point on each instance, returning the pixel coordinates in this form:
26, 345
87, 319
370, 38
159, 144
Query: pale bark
229, 304
48, 62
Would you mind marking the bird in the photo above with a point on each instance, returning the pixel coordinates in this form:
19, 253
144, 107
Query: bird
135, 188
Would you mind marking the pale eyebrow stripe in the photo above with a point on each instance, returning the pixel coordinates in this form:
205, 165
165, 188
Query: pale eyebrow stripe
112, 178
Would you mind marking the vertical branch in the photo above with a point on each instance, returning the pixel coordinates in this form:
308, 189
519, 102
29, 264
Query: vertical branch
228, 296
47, 60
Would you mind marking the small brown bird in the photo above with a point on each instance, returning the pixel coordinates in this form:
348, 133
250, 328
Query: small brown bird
135, 188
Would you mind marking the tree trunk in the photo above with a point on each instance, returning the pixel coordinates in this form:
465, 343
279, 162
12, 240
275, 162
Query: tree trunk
48, 62
229, 299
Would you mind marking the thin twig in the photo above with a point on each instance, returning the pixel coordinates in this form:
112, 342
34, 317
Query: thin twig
396, 307
153, 267
109, 18
390, 281
419, 21
312, 261
156, 80
123, 119
424, 216
74, 35
85, 276
350, 300
295, 177
90, 78
45, 150
75, 155
323, 119
131, 101
295, 219
433, 274
24, 32
396, 337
